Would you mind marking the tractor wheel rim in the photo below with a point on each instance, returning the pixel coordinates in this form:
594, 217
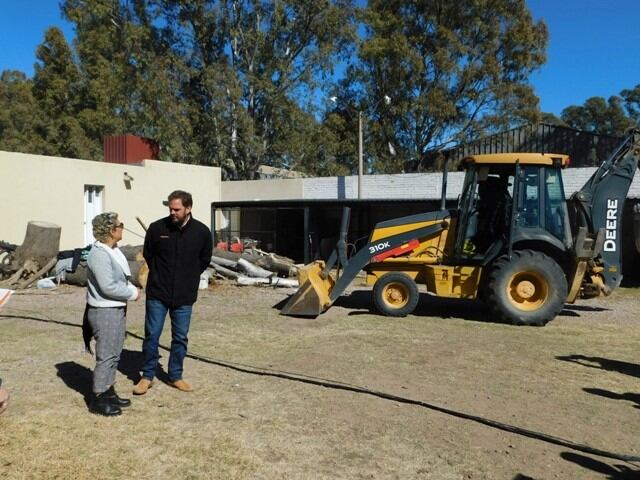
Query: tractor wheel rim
396, 295
527, 290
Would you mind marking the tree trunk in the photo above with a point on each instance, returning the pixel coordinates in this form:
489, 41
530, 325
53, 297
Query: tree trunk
271, 281
139, 274
280, 265
225, 272
38, 274
253, 270
79, 277
41, 244
132, 252
274, 264
224, 262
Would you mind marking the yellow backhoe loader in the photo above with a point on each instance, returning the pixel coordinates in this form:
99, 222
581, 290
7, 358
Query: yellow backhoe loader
514, 241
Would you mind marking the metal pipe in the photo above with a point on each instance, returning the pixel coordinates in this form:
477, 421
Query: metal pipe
443, 198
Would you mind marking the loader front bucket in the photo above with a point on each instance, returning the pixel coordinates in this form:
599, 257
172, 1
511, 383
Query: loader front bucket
312, 298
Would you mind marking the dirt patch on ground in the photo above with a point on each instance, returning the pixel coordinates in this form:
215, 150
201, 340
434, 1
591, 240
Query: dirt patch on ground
491, 401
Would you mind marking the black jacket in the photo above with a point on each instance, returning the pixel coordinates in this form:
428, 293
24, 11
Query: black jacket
176, 257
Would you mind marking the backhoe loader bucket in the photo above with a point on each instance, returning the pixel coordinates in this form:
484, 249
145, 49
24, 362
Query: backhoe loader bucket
312, 298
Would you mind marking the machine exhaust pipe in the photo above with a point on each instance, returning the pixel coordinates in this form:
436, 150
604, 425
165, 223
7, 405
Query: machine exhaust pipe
443, 198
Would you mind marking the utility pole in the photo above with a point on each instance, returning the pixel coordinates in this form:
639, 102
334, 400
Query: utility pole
360, 154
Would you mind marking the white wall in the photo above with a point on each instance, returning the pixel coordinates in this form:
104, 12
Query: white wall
281, 189
37, 187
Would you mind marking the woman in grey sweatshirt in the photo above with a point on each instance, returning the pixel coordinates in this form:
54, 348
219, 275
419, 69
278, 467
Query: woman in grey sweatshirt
108, 290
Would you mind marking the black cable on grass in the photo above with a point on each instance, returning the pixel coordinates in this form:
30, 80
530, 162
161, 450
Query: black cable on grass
327, 383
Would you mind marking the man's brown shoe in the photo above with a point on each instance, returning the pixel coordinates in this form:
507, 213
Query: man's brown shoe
142, 386
181, 385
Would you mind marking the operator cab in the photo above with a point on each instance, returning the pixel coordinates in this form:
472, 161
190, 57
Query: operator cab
509, 198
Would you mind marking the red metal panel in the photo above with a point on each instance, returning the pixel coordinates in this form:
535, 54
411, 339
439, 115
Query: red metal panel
129, 149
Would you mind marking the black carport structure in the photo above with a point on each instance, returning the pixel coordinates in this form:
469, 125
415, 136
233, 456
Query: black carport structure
307, 230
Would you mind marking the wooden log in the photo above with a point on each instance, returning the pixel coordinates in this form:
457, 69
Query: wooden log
48, 266
253, 270
271, 281
275, 265
281, 258
284, 282
28, 269
224, 271
132, 252
41, 243
243, 280
205, 277
143, 275
233, 264
79, 277
218, 252
14, 278
139, 274
273, 262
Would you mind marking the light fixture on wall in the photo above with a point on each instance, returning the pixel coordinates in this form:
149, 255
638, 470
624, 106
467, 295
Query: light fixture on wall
127, 180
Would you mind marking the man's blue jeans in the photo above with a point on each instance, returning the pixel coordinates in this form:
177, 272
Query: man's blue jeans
156, 312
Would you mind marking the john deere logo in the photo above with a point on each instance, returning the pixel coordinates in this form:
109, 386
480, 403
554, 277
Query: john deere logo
611, 226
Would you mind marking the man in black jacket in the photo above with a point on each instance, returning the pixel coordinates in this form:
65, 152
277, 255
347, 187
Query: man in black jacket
177, 249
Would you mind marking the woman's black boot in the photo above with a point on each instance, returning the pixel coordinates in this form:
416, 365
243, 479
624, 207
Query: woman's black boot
115, 399
103, 405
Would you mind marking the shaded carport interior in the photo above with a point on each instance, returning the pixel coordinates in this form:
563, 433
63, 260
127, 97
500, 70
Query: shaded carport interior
306, 230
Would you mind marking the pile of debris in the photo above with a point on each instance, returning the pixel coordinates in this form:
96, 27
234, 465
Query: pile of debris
254, 267
21, 266
39, 256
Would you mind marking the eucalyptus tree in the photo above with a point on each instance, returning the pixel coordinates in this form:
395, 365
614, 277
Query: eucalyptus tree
454, 70
280, 52
601, 116
56, 89
21, 122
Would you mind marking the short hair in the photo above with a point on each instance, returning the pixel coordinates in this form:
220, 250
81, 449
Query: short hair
103, 224
185, 197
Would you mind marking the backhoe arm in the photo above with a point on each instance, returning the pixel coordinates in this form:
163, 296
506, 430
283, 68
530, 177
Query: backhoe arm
599, 206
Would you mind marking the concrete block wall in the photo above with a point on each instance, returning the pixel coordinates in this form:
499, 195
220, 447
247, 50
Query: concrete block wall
420, 185
398, 186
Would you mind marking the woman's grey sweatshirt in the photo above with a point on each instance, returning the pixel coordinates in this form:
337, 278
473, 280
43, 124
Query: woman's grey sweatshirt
107, 284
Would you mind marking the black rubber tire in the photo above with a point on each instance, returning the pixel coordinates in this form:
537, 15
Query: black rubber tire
395, 294
529, 289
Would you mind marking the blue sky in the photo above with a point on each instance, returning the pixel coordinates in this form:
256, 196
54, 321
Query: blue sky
592, 51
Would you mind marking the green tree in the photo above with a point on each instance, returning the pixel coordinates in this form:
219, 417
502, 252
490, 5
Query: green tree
102, 47
56, 86
598, 115
279, 52
454, 70
215, 82
551, 119
21, 122
631, 98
